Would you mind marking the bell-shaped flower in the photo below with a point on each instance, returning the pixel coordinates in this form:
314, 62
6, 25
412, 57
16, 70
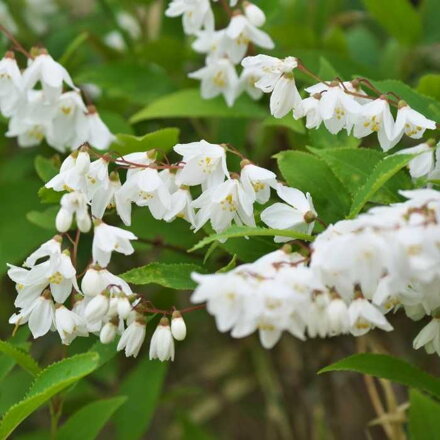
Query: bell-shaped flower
254, 14
246, 83
364, 316
107, 239
68, 324
181, 206
424, 162
204, 164
310, 109
44, 69
178, 326
298, 213
196, 14
411, 122
257, 181
133, 337
218, 77
73, 204
96, 279
162, 343
376, 117
104, 196
51, 249
11, 86
223, 204
429, 337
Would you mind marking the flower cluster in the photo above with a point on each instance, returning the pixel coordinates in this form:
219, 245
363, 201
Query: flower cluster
338, 105
224, 48
359, 270
39, 108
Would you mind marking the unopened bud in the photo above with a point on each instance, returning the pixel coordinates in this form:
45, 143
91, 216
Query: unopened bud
108, 333
402, 104
63, 220
245, 162
178, 326
309, 217
254, 14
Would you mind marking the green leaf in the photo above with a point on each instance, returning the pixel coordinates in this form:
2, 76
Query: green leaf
49, 382
398, 17
388, 367
383, 171
229, 266
44, 219
77, 42
431, 18
174, 276
189, 104
311, 174
424, 416
48, 195
142, 387
288, 122
45, 168
429, 85
87, 422
246, 231
322, 138
163, 140
25, 360
326, 70
353, 167
106, 352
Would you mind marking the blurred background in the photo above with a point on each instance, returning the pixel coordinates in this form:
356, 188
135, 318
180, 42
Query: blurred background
128, 56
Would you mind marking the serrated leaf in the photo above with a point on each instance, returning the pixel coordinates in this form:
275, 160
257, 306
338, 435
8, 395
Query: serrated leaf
44, 219
388, 367
45, 168
322, 138
163, 140
50, 381
246, 231
398, 17
424, 416
88, 421
354, 166
383, 171
189, 104
174, 276
142, 387
311, 174
25, 360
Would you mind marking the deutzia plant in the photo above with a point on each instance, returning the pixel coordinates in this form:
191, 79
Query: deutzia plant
243, 222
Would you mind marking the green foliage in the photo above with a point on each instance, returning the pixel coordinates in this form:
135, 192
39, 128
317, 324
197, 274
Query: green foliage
22, 358
429, 85
311, 174
398, 17
388, 367
174, 276
46, 168
163, 140
49, 382
44, 219
424, 416
142, 386
383, 171
88, 421
189, 104
246, 231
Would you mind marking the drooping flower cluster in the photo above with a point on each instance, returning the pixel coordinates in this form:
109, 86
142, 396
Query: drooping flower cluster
224, 48
359, 270
40, 106
338, 105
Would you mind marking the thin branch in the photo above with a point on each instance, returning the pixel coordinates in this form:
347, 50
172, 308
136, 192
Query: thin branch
14, 41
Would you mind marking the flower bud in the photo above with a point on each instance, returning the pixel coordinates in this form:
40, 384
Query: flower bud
124, 307
97, 307
82, 162
178, 327
108, 333
91, 284
254, 14
63, 220
337, 313
84, 223
162, 342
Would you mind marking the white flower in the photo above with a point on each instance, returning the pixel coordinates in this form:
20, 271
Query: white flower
181, 206
105, 195
364, 316
257, 181
410, 122
178, 327
93, 130
51, 249
429, 337
254, 14
68, 324
247, 81
310, 108
204, 164
162, 343
69, 112
41, 316
243, 32
107, 239
218, 77
196, 14
376, 117
298, 214
97, 307
133, 337
337, 316
11, 87
338, 109
423, 164
73, 204
44, 69
96, 279
223, 204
